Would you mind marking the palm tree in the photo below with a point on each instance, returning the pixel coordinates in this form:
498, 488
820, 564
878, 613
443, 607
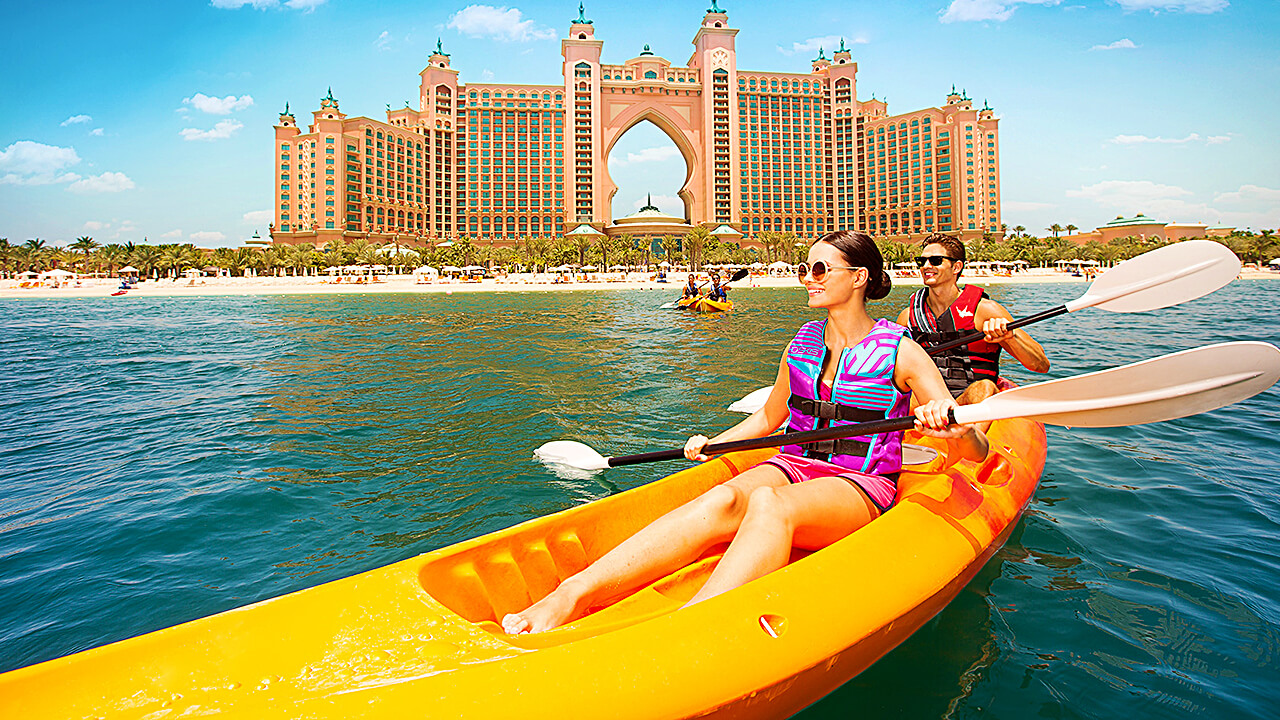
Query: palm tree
695, 242
6, 254
84, 245
1019, 230
1071, 229
1055, 229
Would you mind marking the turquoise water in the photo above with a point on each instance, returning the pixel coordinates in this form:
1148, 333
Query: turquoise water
165, 459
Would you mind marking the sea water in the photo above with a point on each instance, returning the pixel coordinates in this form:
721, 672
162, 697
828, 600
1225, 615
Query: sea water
166, 459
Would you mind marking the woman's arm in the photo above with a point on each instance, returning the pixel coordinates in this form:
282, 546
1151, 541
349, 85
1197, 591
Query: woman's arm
758, 424
916, 372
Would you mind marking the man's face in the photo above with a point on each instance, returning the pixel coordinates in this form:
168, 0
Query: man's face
938, 275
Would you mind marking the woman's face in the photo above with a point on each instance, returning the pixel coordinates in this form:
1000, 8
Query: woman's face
838, 286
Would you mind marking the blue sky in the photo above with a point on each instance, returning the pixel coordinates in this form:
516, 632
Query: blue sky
126, 120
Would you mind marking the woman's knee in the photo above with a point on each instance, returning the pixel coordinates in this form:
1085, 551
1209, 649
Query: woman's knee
721, 501
768, 504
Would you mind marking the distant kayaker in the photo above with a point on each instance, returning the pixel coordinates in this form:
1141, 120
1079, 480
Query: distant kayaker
691, 290
942, 311
844, 369
718, 291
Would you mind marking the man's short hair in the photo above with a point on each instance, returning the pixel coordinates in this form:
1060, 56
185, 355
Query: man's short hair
955, 248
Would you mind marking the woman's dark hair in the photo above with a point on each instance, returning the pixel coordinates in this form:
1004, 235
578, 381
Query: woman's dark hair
859, 250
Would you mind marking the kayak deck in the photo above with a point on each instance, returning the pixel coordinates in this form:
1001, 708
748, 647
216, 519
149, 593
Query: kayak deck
421, 635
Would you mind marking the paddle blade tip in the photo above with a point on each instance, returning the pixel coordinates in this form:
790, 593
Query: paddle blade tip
571, 454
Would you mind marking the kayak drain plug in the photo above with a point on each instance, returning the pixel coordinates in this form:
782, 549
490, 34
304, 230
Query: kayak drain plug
773, 625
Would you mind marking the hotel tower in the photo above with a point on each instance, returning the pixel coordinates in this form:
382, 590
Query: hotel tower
764, 151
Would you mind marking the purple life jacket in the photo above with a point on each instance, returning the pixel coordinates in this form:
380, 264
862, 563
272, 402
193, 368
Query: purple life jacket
863, 391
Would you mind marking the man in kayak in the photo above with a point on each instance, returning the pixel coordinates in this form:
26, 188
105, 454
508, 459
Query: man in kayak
844, 369
941, 311
718, 292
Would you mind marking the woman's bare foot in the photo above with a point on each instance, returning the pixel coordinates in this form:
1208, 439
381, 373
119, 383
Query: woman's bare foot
550, 612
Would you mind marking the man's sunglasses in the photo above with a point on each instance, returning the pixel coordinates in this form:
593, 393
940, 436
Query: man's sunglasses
934, 260
819, 269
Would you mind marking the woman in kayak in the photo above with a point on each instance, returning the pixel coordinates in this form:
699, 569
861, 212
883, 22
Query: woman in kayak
690, 290
845, 369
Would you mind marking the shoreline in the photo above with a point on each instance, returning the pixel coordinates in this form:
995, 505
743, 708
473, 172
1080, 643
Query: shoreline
322, 285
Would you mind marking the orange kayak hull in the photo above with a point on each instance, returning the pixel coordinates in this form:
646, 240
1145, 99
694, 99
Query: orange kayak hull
418, 638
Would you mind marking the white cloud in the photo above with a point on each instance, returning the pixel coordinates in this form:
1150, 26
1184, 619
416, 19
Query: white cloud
383, 41
257, 217
206, 236
827, 43
668, 204
172, 234
107, 182
223, 130
486, 75
500, 23
979, 10
94, 225
76, 119
1192, 138
647, 155
32, 163
1022, 206
1124, 44
1250, 194
96, 132
1202, 7
218, 106
307, 5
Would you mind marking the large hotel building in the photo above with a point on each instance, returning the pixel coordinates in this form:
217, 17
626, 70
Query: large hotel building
764, 151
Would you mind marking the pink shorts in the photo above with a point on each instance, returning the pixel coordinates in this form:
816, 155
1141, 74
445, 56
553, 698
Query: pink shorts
882, 491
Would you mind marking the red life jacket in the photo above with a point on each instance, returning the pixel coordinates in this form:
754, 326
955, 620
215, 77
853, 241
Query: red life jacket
962, 366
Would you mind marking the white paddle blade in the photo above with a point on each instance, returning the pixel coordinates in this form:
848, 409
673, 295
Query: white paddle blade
752, 402
570, 453
1162, 278
1163, 388
917, 454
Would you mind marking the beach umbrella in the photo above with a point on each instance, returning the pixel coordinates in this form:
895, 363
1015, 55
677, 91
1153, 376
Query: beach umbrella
426, 270
128, 269
624, 267
664, 264
589, 268
1275, 262
58, 273
450, 269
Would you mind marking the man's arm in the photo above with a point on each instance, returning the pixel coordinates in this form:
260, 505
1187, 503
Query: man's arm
993, 319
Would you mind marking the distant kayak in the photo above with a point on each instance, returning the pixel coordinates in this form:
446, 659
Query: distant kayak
704, 304
420, 637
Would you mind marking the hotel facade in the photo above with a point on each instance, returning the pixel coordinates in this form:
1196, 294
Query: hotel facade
764, 151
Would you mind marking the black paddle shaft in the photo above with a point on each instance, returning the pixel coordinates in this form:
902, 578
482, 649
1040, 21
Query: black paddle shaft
874, 427
1055, 312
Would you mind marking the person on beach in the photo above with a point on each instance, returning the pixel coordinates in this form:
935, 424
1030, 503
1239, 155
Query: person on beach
941, 311
690, 290
844, 369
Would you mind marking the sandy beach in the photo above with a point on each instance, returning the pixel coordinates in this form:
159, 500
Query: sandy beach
324, 285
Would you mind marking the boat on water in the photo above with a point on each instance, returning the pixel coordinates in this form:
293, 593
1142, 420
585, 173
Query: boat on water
704, 304
420, 637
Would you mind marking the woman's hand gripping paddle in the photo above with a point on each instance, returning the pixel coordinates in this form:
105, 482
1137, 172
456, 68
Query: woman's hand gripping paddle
1163, 388
732, 278
1161, 278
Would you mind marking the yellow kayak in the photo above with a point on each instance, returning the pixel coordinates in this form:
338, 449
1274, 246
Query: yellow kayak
418, 638
707, 305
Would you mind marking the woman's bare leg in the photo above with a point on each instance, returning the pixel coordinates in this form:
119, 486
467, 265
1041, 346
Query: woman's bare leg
811, 514
671, 541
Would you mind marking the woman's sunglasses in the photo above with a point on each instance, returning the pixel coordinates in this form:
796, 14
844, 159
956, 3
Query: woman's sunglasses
934, 260
819, 269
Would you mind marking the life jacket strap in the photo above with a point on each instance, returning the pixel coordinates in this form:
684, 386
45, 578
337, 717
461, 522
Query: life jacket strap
824, 410
840, 446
